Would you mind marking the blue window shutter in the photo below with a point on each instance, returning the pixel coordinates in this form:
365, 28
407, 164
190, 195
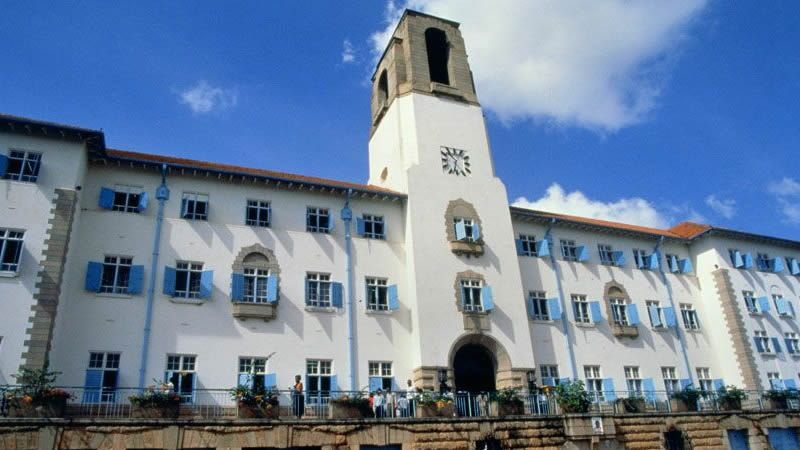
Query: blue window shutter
653, 261
461, 231
738, 440
583, 253
91, 385
144, 200
375, 383
529, 304
169, 281
789, 347
543, 248
783, 439
106, 200
619, 258
649, 389
794, 266
548, 381
594, 309
633, 313
237, 287
336, 295
3, 165
206, 283
463, 296
686, 265
776, 384
780, 306
520, 247
245, 379
719, 383
272, 288
194, 386
360, 228
685, 382
673, 263
608, 389
654, 316
306, 289
759, 346
776, 343
563, 380
331, 223
554, 308
487, 298
391, 294
777, 265
747, 261
270, 380
184, 207
737, 260
763, 304
334, 386
136, 280
94, 273
669, 316
789, 383
476, 232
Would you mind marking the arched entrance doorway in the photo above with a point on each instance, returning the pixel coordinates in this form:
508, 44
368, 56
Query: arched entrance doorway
474, 369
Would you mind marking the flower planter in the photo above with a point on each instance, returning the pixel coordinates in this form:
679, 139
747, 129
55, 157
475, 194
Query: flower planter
52, 407
568, 409
267, 411
507, 408
446, 410
348, 410
776, 403
162, 411
730, 404
680, 405
627, 405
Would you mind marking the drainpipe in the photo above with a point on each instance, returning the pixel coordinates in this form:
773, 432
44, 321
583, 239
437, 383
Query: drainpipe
678, 331
562, 301
347, 217
162, 194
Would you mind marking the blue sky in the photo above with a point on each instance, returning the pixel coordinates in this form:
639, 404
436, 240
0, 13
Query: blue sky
649, 112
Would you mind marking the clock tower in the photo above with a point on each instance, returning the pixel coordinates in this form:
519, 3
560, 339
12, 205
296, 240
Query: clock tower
428, 139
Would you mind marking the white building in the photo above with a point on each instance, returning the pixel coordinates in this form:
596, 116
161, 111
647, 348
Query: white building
423, 270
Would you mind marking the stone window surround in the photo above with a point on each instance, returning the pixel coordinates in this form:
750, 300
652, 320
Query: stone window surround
460, 208
467, 275
619, 292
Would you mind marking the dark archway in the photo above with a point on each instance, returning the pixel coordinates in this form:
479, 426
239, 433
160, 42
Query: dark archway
474, 369
438, 55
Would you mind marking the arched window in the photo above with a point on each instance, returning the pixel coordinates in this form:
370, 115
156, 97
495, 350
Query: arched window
438, 55
383, 88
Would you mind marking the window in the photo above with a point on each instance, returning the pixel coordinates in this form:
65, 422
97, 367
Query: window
255, 285
704, 377
690, 321
654, 311
383, 89
471, 295
181, 373
569, 251
382, 370
539, 305
750, 302
377, 294
318, 286
763, 262
318, 220
761, 337
634, 381
116, 274
194, 206
673, 440
792, 342
549, 375
641, 259
373, 226
527, 245
126, 198
23, 166
438, 50
108, 365
253, 369
469, 234
672, 263
581, 308
10, 249
606, 254
594, 382
318, 378
774, 380
619, 311
187, 279
783, 307
258, 213
671, 383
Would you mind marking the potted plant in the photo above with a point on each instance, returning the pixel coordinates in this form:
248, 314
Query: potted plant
779, 398
354, 406
730, 398
631, 404
36, 396
572, 397
433, 404
684, 400
256, 402
158, 401
506, 402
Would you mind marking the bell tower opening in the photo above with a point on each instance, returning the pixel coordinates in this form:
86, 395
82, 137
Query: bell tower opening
474, 369
383, 88
438, 55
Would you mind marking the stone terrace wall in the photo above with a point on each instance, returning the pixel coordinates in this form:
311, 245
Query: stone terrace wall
701, 431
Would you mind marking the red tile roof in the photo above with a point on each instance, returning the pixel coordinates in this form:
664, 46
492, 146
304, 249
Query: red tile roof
689, 230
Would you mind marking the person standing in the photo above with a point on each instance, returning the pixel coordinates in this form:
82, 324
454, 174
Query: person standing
298, 397
378, 403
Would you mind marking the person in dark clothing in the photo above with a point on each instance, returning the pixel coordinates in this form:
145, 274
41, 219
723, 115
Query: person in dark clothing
298, 397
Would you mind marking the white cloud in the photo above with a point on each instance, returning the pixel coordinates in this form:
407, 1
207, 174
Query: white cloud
203, 98
596, 64
724, 207
634, 210
787, 193
348, 52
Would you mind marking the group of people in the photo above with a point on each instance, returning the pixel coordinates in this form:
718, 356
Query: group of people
383, 403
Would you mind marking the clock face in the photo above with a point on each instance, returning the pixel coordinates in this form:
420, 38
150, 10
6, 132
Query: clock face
455, 161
